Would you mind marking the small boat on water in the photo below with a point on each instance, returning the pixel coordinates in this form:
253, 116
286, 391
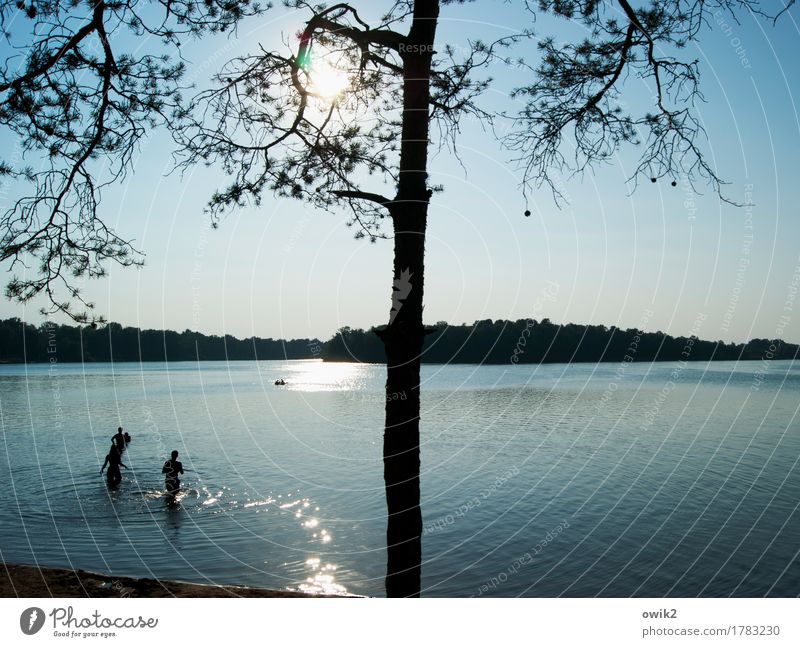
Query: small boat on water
280, 382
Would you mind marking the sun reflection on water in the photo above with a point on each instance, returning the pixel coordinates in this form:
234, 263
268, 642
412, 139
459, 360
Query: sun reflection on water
312, 575
315, 375
322, 580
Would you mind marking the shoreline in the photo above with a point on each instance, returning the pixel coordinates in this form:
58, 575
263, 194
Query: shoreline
25, 581
424, 363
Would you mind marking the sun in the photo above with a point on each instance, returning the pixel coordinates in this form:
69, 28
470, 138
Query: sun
325, 71
327, 81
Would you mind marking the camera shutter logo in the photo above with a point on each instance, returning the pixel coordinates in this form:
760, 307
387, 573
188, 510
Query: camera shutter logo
31, 620
400, 291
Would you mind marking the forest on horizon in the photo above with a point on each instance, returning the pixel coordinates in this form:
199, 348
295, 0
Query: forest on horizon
524, 341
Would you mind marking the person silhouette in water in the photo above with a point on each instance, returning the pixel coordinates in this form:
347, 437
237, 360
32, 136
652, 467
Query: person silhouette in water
113, 460
119, 439
172, 468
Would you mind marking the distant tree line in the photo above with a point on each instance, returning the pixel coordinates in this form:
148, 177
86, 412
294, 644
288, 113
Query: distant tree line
527, 341
21, 342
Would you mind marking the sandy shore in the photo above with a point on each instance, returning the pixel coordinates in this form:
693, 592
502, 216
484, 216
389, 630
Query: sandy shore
37, 582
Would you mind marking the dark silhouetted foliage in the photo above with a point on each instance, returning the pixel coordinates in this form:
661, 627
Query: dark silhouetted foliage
497, 342
21, 342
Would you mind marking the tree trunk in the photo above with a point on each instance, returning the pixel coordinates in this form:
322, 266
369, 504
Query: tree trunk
403, 337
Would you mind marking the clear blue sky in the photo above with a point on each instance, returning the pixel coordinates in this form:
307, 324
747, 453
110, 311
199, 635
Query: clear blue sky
285, 270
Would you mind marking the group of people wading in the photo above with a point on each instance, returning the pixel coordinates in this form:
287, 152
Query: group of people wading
172, 468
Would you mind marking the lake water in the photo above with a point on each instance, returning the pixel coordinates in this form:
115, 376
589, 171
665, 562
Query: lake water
554, 480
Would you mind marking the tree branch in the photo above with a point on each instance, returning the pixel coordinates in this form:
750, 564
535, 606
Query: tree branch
73, 42
364, 195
